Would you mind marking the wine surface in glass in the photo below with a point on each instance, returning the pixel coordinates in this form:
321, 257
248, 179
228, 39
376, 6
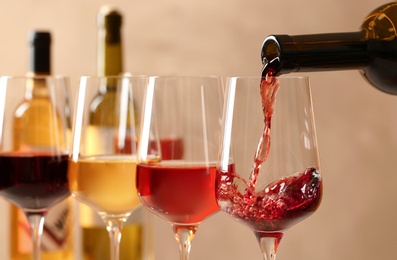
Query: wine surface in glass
179, 192
34, 180
276, 207
105, 183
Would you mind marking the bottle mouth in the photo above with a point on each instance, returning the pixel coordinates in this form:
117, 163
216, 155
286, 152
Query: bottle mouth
40, 38
270, 50
109, 17
276, 55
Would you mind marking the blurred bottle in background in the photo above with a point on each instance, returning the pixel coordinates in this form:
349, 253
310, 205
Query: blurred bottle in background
136, 241
57, 234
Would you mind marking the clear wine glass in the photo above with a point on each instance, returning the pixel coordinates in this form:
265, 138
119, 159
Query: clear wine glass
102, 161
34, 131
177, 152
269, 173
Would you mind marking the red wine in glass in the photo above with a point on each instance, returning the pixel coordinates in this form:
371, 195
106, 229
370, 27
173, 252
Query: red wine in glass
271, 209
180, 193
281, 203
33, 181
178, 152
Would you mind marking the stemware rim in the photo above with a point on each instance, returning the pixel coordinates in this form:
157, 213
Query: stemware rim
281, 77
186, 76
114, 76
56, 76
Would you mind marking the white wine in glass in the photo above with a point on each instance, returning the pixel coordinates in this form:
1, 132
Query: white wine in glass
102, 161
136, 242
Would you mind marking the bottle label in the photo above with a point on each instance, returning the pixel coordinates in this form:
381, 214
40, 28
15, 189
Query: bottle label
57, 227
56, 231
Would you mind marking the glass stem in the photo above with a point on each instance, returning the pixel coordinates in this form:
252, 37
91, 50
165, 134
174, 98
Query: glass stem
36, 222
114, 228
184, 235
269, 243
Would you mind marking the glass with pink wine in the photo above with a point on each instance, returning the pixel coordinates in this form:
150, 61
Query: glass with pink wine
269, 171
177, 153
34, 131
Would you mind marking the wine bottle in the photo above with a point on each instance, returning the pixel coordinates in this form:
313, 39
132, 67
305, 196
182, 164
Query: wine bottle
135, 241
57, 236
371, 50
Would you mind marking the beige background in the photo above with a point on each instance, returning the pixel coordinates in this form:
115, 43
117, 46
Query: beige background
357, 125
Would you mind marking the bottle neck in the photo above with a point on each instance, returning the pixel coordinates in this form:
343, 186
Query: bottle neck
40, 53
110, 61
109, 53
39, 64
283, 54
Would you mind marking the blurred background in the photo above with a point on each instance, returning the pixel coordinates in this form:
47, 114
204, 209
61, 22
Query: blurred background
356, 124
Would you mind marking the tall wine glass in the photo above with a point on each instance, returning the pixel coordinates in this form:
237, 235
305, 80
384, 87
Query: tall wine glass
34, 125
269, 173
177, 152
102, 161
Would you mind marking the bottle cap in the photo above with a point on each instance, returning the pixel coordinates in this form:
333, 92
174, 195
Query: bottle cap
40, 53
39, 38
109, 17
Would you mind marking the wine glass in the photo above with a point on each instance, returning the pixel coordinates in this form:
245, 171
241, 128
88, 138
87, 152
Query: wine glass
34, 131
177, 153
102, 160
268, 180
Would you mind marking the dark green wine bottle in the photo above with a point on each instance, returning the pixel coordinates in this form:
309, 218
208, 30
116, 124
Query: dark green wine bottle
372, 50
